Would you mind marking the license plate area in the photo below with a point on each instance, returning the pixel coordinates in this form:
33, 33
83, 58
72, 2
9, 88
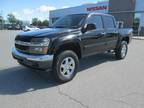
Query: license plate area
29, 63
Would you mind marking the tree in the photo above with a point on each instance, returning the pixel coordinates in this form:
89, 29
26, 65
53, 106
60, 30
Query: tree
19, 22
39, 23
45, 23
35, 21
1, 19
11, 18
1, 22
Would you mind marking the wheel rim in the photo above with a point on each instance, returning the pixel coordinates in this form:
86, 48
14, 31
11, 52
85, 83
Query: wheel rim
124, 50
67, 67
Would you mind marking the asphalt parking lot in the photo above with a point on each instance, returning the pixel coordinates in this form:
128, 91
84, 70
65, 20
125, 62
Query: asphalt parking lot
102, 81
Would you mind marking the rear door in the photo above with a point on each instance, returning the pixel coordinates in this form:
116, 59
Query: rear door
111, 32
93, 40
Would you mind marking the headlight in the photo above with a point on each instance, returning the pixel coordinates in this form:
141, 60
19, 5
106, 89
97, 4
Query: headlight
40, 42
39, 45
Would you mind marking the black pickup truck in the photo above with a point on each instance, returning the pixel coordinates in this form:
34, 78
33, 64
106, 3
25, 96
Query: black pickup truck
60, 47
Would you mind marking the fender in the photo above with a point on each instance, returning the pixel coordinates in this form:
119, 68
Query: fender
69, 39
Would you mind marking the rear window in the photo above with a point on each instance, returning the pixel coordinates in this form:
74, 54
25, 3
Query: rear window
108, 22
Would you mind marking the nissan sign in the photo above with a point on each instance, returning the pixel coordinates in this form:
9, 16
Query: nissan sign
97, 8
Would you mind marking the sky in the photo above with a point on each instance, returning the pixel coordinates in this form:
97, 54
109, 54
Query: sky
28, 9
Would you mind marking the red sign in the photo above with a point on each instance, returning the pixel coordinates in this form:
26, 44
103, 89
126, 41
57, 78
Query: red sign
97, 8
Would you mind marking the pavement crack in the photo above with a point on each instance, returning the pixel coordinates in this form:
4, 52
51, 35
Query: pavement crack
119, 101
71, 98
132, 93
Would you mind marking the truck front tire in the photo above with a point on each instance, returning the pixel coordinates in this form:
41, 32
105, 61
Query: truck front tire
122, 50
65, 66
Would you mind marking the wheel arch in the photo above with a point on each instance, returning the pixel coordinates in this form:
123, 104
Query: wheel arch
73, 46
127, 39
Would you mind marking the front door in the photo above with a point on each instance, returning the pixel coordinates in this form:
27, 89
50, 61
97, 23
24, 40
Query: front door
94, 40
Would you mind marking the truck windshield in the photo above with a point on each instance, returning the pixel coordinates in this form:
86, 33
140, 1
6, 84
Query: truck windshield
70, 21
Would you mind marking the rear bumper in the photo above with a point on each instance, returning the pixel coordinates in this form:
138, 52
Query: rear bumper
34, 61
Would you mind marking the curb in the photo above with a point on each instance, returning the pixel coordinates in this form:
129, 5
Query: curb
138, 38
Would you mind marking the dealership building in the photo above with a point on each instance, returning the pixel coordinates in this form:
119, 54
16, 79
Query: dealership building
128, 12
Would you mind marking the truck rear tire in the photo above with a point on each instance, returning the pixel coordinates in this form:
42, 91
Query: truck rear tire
65, 66
122, 50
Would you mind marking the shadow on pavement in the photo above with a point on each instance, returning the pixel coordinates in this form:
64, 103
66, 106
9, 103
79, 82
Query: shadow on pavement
95, 60
18, 80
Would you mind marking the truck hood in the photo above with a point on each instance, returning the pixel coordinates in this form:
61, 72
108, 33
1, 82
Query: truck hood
49, 32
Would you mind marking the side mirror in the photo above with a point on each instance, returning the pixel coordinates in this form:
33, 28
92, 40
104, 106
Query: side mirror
88, 27
120, 24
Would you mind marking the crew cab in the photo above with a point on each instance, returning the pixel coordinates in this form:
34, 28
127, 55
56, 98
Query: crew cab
71, 38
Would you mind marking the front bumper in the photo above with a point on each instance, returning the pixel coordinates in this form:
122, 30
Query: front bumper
34, 61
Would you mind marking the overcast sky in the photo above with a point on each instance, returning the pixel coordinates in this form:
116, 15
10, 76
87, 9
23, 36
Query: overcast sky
28, 9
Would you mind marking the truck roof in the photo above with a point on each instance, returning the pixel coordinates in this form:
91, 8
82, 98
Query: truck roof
92, 14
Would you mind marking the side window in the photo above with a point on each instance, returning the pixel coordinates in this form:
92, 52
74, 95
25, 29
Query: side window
97, 20
108, 22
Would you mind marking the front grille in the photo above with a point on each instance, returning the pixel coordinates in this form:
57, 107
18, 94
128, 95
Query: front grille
21, 48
